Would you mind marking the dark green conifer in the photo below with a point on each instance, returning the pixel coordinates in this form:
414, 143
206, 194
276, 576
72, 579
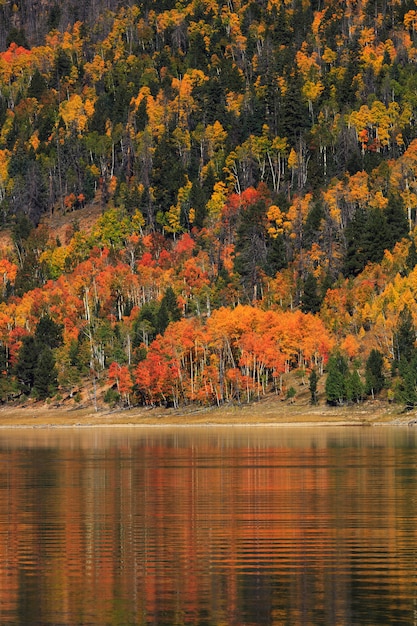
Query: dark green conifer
405, 362
48, 332
411, 260
144, 327
354, 387
406, 391
38, 85
396, 218
162, 319
374, 376
276, 256
311, 300
356, 256
17, 36
336, 381
26, 364
168, 311
45, 374
313, 385
250, 249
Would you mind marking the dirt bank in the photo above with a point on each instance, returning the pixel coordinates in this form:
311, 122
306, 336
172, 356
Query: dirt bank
268, 411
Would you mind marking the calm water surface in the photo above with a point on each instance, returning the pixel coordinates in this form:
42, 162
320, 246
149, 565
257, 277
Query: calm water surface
208, 526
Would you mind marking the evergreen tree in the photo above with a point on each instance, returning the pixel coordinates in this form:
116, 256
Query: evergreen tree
405, 361
38, 85
62, 66
17, 36
169, 300
374, 376
250, 249
144, 327
376, 237
311, 300
45, 374
337, 373
411, 260
313, 380
354, 387
162, 319
276, 257
294, 118
355, 256
20, 233
198, 200
26, 364
168, 173
7, 383
313, 223
48, 332
368, 235
168, 311
406, 391
397, 222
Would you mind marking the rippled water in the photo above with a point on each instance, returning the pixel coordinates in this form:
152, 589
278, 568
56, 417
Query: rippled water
208, 526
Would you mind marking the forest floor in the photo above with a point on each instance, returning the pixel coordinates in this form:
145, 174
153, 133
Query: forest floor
268, 411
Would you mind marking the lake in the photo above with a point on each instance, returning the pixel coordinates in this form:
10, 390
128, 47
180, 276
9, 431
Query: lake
208, 526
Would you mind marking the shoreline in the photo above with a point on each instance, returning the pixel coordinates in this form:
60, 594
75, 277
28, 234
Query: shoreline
266, 413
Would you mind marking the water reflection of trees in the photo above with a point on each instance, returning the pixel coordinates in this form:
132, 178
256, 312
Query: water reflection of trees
172, 533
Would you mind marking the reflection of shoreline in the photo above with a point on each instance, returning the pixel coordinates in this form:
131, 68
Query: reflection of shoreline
265, 413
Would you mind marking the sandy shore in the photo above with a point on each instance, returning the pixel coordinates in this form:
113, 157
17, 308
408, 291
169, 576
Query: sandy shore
269, 411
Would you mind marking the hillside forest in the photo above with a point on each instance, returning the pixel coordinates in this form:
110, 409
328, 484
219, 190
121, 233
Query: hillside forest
252, 169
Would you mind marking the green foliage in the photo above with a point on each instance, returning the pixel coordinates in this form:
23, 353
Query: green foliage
336, 381
26, 364
112, 229
45, 374
35, 369
405, 362
48, 332
144, 326
313, 385
397, 222
311, 299
406, 388
8, 386
411, 260
38, 85
276, 257
17, 36
62, 66
167, 311
9, 389
251, 247
356, 256
21, 231
354, 387
369, 234
291, 393
374, 375
112, 397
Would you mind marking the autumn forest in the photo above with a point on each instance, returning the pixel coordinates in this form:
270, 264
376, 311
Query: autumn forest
252, 169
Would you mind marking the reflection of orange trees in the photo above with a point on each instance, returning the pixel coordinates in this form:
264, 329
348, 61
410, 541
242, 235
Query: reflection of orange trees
184, 528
